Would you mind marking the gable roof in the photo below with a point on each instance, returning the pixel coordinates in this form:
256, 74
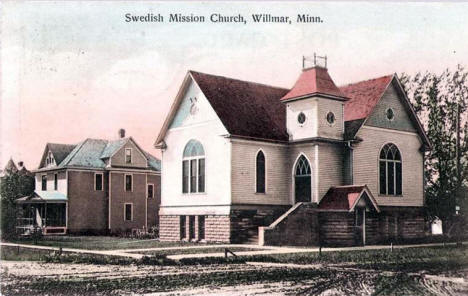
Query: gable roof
245, 108
11, 167
92, 153
257, 111
314, 81
345, 198
59, 151
364, 95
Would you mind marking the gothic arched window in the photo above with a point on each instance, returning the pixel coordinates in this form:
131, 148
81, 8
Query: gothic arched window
390, 172
260, 170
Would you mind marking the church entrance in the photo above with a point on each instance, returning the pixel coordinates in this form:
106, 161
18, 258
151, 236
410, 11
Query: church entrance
302, 180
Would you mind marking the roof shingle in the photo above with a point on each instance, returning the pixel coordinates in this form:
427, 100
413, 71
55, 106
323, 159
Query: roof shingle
245, 108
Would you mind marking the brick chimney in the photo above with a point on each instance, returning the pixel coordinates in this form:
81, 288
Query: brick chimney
121, 133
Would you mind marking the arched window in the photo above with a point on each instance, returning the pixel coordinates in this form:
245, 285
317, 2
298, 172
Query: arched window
193, 168
260, 178
390, 174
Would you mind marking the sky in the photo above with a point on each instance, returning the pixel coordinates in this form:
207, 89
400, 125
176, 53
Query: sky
77, 70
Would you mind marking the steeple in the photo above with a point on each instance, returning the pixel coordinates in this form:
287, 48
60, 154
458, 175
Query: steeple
314, 81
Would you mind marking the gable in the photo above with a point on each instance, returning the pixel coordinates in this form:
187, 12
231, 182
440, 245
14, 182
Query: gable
194, 108
138, 158
391, 100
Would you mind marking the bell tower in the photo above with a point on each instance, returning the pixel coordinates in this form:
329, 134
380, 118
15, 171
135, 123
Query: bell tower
315, 105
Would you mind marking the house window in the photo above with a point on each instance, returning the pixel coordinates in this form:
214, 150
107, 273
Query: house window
128, 212
390, 114
201, 227
301, 118
98, 179
150, 190
128, 155
330, 118
182, 227
193, 168
55, 181
50, 158
390, 170
44, 182
128, 182
260, 172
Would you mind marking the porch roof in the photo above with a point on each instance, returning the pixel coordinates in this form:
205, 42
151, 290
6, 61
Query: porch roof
43, 197
346, 198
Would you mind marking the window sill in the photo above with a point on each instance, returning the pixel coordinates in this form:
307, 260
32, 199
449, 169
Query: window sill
260, 193
194, 193
390, 195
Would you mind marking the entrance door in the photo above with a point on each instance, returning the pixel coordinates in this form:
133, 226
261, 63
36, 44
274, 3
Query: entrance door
360, 226
302, 180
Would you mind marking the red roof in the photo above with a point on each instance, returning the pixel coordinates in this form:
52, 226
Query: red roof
246, 109
341, 198
363, 96
312, 81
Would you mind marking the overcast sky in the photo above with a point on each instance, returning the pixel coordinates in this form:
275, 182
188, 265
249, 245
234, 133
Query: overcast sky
77, 70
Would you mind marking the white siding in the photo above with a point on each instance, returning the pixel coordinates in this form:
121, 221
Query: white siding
308, 129
308, 150
278, 176
61, 184
330, 167
206, 128
326, 130
366, 165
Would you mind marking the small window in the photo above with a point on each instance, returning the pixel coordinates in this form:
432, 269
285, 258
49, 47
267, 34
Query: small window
390, 114
301, 118
128, 212
260, 170
390, 170
150, 191
201, 227
44, 182
55, 182
128, 183
98, 182
185, 176
331, 118
128, 155
182, 228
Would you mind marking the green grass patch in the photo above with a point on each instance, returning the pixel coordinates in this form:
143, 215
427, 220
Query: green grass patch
22, 254
100, 242
404, 259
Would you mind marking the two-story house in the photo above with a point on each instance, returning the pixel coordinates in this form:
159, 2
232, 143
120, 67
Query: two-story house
96, 186
314, 164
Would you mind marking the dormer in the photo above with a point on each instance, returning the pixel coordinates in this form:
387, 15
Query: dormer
50, 160
314, 106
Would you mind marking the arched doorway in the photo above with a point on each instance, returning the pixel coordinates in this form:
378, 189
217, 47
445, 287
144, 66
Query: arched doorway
302, 180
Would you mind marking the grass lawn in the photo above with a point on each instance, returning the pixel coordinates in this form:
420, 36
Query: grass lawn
101, 242
432, 259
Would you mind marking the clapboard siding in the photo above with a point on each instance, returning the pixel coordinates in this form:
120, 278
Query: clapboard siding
138, 159
366, 166
278, 174
401, 121
330, 167
325, 129
308, 150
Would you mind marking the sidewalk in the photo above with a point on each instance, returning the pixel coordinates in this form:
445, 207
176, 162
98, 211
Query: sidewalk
263, 250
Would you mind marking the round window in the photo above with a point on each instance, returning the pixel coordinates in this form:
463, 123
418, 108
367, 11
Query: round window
301, 118
390, 114
331, 117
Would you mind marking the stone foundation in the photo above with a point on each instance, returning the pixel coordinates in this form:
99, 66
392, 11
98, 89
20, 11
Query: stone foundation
297, 227
241, 226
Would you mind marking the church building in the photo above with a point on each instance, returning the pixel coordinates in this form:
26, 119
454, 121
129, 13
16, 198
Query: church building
316, 164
